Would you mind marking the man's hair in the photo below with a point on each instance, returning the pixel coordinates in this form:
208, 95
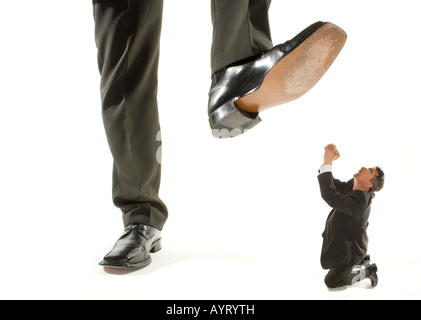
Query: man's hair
377, 181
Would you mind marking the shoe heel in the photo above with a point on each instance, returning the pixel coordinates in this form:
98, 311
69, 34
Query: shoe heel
229, 121
156, 246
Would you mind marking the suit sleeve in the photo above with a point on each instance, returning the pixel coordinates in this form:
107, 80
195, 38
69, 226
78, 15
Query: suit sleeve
351, 204
341, 186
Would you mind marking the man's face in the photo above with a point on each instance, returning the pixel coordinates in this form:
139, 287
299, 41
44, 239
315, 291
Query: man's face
362, 179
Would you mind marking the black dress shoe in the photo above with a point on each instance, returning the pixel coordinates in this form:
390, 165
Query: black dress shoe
373, 275
280, 75
132, 249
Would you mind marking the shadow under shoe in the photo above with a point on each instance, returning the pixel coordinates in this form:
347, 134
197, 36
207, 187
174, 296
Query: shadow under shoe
240, 92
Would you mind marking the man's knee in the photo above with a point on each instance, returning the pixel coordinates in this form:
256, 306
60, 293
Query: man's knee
333, 282
336, 277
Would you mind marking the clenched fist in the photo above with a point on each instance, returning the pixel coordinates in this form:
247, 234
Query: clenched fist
331, 154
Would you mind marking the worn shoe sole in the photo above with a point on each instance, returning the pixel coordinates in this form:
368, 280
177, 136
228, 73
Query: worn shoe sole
298, 72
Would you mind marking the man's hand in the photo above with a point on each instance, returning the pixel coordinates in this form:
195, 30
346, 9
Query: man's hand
331, 154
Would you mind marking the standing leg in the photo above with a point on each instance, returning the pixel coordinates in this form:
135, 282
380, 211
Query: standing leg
128, 37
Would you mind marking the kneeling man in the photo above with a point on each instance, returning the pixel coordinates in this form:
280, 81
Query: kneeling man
345, 239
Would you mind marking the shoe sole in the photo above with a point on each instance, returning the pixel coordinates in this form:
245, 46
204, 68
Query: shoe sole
297, 72
289, 79
110, 266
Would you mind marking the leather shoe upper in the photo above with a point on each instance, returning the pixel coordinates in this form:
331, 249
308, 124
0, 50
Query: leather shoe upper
373, 274
133, 247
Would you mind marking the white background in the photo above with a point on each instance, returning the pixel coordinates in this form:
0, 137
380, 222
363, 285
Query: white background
246, 215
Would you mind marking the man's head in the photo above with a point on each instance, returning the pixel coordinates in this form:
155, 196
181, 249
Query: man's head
371, 179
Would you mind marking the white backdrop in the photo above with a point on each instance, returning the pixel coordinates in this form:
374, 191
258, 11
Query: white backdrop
246, 215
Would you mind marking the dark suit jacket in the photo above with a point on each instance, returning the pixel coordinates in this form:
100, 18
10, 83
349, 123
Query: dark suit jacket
345, 239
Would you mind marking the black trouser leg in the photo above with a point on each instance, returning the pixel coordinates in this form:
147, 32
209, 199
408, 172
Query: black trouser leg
128, 37
340, 277
240, 30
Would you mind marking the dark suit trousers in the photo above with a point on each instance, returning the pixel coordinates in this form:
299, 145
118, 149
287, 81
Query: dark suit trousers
344, 276
127, 34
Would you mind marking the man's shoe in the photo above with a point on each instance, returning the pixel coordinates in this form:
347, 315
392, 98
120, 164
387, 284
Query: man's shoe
131, 252
280, 75
373, 275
